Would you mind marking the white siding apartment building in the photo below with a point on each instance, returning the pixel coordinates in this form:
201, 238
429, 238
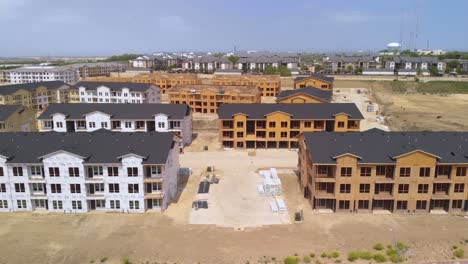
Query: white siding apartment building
31, 74
175, 118
80, 172
118, 92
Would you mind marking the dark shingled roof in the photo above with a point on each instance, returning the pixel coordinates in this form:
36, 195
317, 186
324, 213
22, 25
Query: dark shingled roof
115, 86
316, 76
12, 88
298, 111
309, 90
118, 111
378, 146
101, 146
7, 110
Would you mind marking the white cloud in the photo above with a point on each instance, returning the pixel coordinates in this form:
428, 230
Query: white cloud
173, 23
352, 17
9, 9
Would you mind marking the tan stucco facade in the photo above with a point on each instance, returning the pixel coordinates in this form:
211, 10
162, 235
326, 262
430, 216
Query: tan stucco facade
315, 82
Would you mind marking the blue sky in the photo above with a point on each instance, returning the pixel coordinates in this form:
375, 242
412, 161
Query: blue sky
106, 27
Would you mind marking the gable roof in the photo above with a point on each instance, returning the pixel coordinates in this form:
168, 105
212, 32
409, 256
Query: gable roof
447, 147
12, 88
117, 111
96, 147
115, 86
297, 111
316, 76
321, 94
7, 110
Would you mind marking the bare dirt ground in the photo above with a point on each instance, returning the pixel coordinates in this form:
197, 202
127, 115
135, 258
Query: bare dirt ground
407, 111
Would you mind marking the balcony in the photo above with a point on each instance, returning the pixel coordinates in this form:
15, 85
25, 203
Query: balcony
154, 194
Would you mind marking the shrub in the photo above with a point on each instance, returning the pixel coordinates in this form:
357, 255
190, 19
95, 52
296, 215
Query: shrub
379, 258
454, 246
400, 245
338, 261
395, 258
306, 259
335, 254
292, 260
104, 259
391, 252
366, 255
324, 255
312, 255
459, 253
378, 246
353, 255
126, 260
318, 262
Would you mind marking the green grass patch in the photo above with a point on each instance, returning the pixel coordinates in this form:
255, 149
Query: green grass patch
443, 87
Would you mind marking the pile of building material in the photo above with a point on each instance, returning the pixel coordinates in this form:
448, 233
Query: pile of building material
278, 206
271, 183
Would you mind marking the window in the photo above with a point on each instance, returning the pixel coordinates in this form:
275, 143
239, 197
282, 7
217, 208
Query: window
37, 187
346, 171
134, 205
55, 188
459, 188
156, 186
92, 124
284, 134
307, 124
48, 124
423, 188
59, 124
74, 172
240, 134
128, 124
57, 205
272, 124
115, 204
240, 124
17, 171
345, 188
340, 124
3, 204
113, 171
36, 171
425, 172
2, 187
114, 188
1, 172
97, 170
99, 187
461, 171
364, 188
76, 205
156, 170
271, 134
133, 188
402, 205
457, 204
366, 171
380, 170
100, 204
75, 188
161, 125
81, 124
21, 204
104, 124
403, 188
405, 172
54, 172
343, 205
284, 124
132, 171
421, 205
363, 204
19, 187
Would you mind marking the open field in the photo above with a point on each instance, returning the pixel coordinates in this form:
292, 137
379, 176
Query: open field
418, 106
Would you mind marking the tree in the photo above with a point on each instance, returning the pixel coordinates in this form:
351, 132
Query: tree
270, 70
284, 71
433, 71
359, 70
349, 68
123, 57
318, 68
304, 68
218, 55
234, 59
419, 72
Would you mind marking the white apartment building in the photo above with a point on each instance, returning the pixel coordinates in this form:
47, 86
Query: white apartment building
80, 172
118, 92
31, 74
175, 118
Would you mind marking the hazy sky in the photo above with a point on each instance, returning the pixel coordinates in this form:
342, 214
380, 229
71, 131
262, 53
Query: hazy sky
106, 27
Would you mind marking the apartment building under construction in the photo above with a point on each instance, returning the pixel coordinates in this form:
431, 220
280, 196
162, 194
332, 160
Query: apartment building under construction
269, 85
401, 172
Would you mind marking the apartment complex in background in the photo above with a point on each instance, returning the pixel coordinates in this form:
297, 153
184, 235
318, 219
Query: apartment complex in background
163, 80
80, 172
32, 74
35, 95
119, 118
269, 85
115, 92
307, 94
17, 118
157, 61
343, 64
207, 64
406, 172
414, 63
315, 80
208, 98
95, 69
278, 125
